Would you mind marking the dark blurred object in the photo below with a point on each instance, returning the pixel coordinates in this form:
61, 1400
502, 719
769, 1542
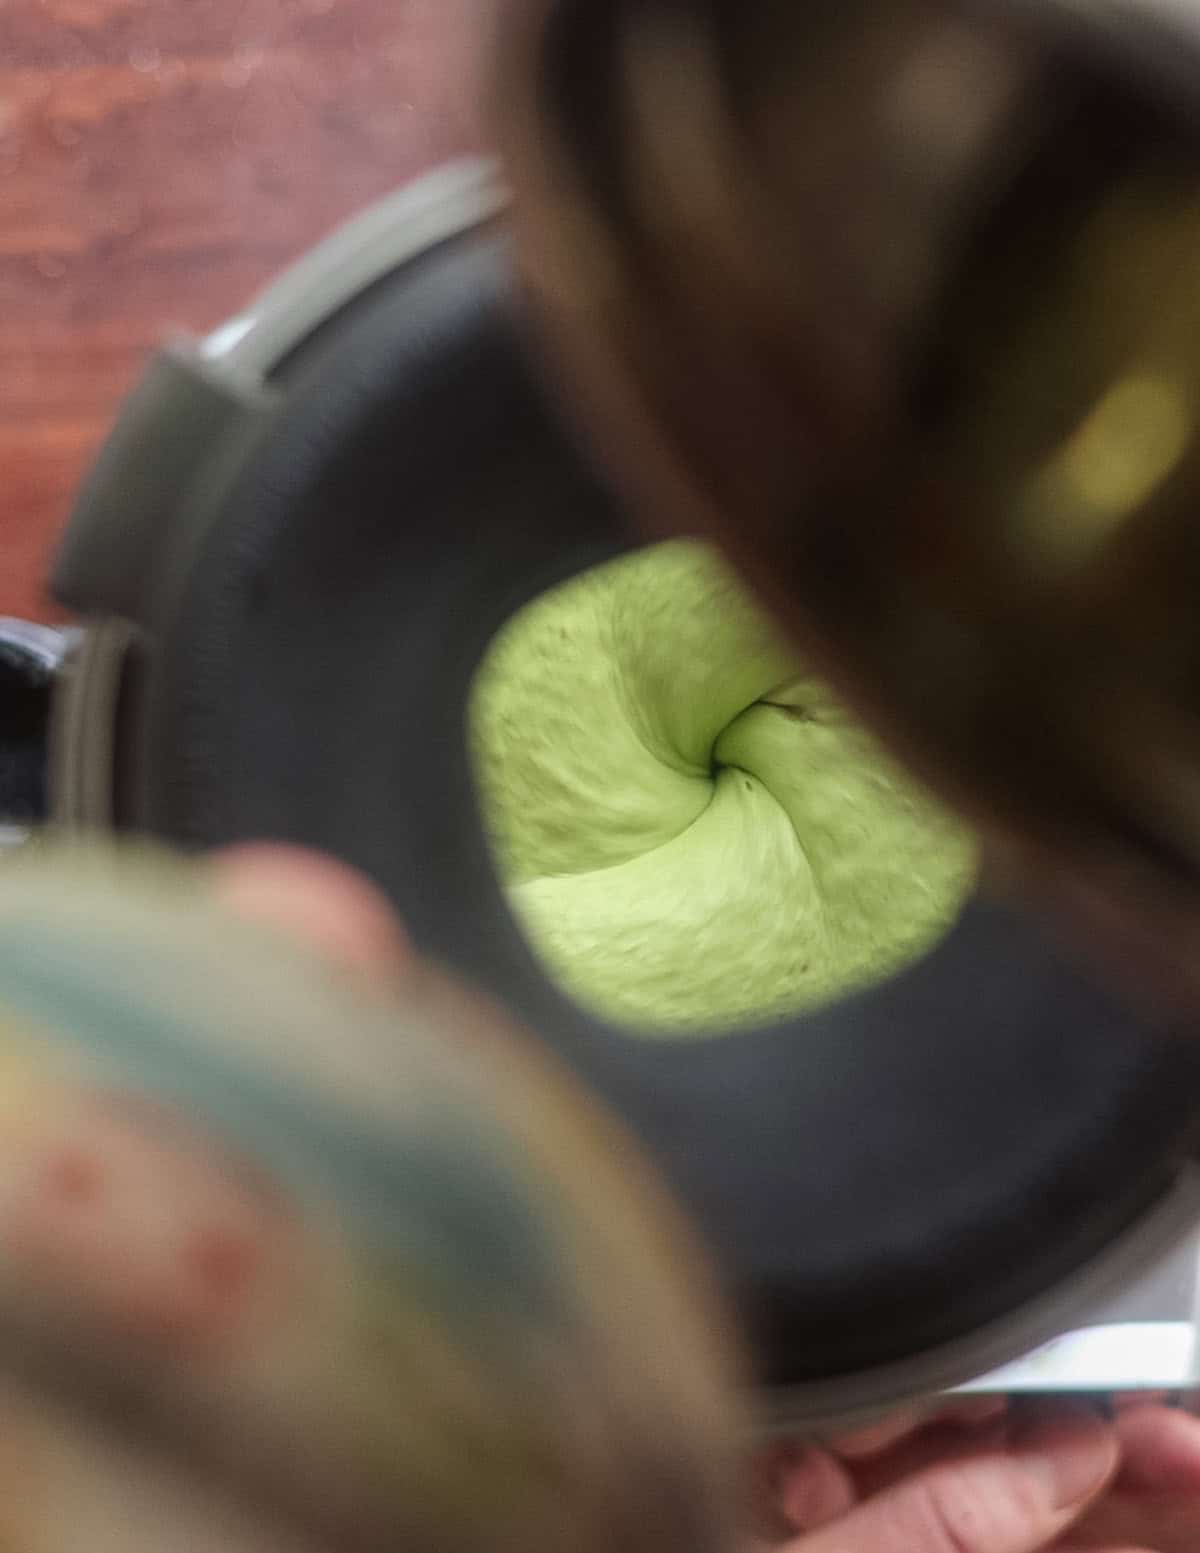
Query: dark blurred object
159, 162
901, 302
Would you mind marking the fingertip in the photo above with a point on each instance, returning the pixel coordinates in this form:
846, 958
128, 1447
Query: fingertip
1073, 1457
1160, 1449
812, 1489
318, 900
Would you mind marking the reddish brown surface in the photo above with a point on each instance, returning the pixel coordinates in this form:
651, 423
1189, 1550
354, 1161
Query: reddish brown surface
159, 160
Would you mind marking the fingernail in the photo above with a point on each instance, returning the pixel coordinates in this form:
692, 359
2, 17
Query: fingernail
815, 1491
1073, 1458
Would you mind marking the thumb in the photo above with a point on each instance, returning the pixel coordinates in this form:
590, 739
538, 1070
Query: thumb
1014, 1500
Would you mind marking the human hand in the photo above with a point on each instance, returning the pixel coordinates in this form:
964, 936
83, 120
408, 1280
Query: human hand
1154, 1502
983, 1479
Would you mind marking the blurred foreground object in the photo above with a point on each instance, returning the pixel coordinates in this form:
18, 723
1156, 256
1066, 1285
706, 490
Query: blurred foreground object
899, 302
287, 1264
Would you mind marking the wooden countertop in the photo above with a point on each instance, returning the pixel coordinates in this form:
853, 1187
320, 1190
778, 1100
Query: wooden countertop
159, 161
